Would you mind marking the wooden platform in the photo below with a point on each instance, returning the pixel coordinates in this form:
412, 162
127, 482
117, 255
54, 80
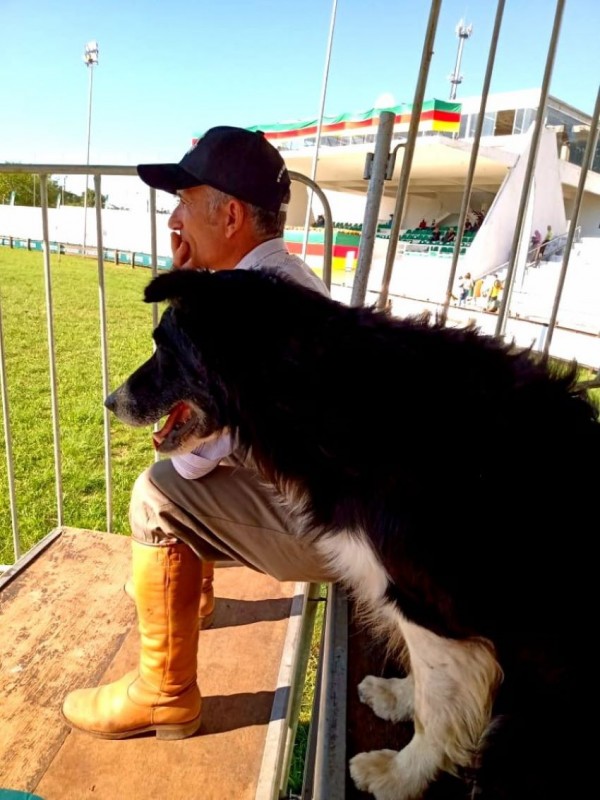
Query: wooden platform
65, 622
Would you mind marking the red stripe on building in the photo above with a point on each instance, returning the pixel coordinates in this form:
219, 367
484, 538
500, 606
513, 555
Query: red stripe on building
316, 249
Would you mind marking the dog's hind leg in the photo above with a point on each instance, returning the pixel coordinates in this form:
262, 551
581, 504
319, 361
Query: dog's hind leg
390, 698
454, 685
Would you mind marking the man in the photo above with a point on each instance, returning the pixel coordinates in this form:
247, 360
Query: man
192, 510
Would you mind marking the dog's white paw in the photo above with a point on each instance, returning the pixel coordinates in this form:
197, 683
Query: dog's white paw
376, 772
390, 698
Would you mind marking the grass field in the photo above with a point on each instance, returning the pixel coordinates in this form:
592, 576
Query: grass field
75, 297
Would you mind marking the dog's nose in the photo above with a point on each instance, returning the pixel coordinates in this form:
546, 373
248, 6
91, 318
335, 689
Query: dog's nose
110, 402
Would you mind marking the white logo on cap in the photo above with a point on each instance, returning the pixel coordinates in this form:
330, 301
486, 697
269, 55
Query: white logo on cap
280, 175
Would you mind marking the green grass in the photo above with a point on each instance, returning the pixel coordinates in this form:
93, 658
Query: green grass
75, 295
302, 732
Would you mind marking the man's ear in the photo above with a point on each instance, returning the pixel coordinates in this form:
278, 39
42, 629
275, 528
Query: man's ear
236, 215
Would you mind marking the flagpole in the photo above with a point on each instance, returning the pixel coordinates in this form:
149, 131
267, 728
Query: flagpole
319, 126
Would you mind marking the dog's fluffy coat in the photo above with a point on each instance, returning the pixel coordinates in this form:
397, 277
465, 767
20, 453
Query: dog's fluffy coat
446, 475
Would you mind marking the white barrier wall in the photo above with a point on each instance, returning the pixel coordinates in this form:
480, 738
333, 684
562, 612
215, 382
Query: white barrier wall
126, 230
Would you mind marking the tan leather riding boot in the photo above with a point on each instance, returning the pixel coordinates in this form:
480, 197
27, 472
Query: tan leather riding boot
206, 613
207, 595
162, 694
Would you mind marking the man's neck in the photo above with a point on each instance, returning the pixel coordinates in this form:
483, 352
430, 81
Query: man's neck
242, 248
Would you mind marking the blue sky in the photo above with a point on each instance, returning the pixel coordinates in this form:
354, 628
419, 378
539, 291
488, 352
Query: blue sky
168, 70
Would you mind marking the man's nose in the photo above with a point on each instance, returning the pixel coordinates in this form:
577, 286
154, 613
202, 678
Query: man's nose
174, 222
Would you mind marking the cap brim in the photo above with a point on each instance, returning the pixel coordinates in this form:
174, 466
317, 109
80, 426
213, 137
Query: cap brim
167, 177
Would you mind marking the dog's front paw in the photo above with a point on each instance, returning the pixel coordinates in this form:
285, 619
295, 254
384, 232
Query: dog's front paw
376, 772
390, 698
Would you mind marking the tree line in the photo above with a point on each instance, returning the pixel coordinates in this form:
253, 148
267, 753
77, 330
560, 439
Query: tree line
26, 188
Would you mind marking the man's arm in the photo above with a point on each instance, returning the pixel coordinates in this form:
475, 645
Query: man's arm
204, 459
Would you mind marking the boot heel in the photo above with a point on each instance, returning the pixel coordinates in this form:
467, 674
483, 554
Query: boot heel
207, 621
172, 732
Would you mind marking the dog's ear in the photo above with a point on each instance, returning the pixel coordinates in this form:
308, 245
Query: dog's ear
179, 283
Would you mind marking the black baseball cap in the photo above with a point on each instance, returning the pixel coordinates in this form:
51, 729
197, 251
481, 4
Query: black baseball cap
236, 161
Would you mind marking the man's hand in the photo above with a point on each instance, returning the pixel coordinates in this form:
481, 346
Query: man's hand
181, 252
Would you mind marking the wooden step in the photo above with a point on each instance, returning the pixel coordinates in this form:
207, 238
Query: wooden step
65, 623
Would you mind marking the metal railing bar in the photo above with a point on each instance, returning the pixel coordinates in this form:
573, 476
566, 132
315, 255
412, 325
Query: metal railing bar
327, 230
330, 751
103, 350
529, 170
368, 234
409, 150
51, 349
473, 160
154, 265
30, 556
8, 447
590, 149
70, 169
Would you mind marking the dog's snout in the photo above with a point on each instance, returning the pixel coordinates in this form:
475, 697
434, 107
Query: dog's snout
111, 402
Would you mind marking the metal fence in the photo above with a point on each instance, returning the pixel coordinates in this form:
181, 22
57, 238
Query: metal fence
43, 171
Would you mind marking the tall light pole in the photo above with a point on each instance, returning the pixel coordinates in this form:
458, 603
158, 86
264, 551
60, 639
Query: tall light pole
90, 56
463, 32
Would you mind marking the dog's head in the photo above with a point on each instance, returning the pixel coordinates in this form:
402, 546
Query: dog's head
172, 382
209, 352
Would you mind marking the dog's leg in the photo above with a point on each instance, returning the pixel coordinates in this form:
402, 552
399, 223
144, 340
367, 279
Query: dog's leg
390, 698
454, 684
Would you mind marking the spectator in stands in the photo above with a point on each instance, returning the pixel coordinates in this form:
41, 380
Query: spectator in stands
320, 221
547, 238
423, 223
435, 236
465, 288
479, 217
478, 292
495, 296
468, 226
536, 240
449, 236
191, 510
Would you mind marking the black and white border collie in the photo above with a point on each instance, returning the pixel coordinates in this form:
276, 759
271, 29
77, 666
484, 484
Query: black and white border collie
450, 479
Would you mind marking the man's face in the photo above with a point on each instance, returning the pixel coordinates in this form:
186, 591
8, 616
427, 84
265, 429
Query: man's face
202, 230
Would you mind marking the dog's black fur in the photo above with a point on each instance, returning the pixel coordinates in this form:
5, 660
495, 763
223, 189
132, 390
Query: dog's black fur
463, 460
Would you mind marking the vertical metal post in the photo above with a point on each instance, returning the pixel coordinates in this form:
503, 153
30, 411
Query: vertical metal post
154, 251
330, 756
385, 131
590, 149
533, 150
463, 32
409, 150
51, 350
313, 173
87, 158
103, 349
473, 161
328, 229
8, 447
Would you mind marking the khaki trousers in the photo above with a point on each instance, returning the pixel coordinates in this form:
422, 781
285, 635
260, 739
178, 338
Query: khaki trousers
227, 515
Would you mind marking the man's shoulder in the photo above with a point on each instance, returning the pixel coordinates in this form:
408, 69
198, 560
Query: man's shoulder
295, 268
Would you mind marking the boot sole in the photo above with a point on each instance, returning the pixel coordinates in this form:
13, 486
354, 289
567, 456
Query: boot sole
165, 732
207, 621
